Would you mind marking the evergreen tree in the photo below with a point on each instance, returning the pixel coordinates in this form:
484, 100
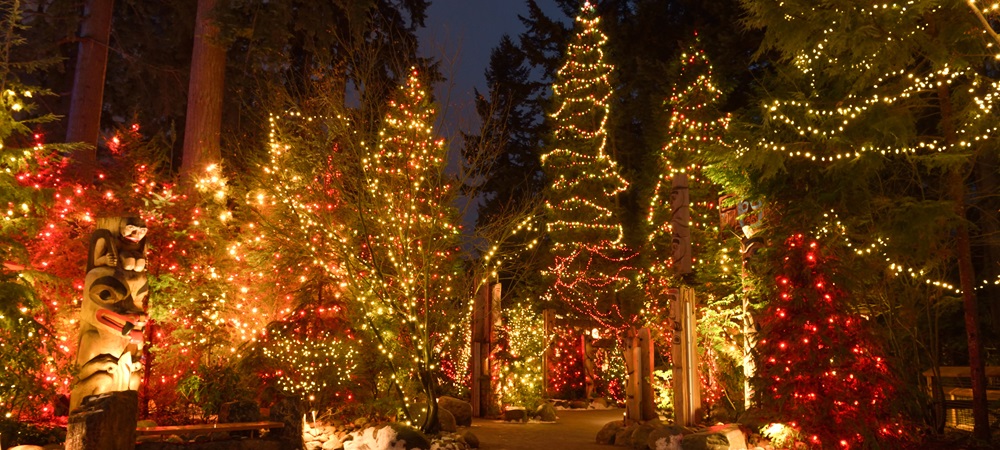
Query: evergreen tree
820, 369
377, 219
878, 116
28, 340
504, 154
408, 246
696, 127
592, 271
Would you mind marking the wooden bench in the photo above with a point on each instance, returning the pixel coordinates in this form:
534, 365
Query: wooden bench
956, 386
207, 428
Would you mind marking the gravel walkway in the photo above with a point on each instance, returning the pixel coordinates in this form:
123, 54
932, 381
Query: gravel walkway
573, 430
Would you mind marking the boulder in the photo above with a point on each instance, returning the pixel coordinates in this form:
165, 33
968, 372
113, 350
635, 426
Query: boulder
734, 435
515, 415
705, 441
447, 420
546, 412
578, 404
641, 435
623, 438
462, 410
410, 437
145, 424
470, 439
239, 411
663, 437
333, 443
26, 447
607, 433
599, 403
288, 411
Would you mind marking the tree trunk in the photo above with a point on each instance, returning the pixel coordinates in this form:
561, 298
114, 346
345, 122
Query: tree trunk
84, 121
203, 125
988, 173
966, 272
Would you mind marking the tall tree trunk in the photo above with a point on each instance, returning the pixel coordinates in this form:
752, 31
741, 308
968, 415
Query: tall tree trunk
988, 181
84, 122
203, 125
966, 271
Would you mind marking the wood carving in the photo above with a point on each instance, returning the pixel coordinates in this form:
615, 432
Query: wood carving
112, 318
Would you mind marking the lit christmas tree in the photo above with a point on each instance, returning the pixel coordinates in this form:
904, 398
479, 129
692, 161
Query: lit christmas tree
695, 125
695, 128
26, 336
592, 270
820, 370
405, 269
887, 129
376, 219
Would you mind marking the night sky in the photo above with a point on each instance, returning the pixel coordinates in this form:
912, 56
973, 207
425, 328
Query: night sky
461, 34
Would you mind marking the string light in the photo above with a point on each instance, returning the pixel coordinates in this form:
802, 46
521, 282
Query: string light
591, 261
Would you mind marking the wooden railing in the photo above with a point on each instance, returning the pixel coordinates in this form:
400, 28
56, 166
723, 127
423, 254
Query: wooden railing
194, 430
954, 399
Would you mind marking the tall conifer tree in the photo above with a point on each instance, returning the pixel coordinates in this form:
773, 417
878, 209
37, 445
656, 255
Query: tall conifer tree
880, 113
592, 270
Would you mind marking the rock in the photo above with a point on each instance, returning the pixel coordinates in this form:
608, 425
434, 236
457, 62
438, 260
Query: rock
470, 439
705, 441
668, 443
360, 422
607, 434
239, 411
546, 412
175, 439
413, 438
665, 435
26, 447
333, 443
314, 445
145, 424
288, 411
623, 438
599, 403
734, 435
104, 422
515, 415
578, 404
447, 420
218, 436
462, 410
640, 437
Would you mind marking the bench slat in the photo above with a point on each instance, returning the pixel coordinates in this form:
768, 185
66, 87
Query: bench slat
206, 428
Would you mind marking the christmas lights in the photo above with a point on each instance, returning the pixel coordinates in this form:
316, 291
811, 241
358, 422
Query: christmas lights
592, 264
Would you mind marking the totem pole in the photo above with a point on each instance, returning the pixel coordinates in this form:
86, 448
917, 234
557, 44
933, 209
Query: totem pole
112, 317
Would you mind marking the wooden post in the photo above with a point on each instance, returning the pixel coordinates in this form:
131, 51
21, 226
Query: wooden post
548, 320
639, 404
480, 334
687, 384
647, 406
485, 320
633, 393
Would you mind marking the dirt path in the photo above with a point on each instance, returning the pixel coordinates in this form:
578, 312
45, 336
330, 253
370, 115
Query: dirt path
574, 429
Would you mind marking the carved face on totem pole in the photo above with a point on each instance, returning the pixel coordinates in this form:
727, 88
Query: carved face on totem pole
112, 318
